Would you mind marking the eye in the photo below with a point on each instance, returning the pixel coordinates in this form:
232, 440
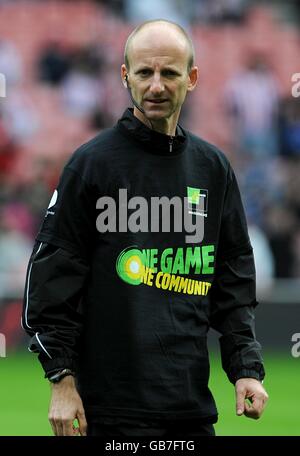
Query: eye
170, 73
144, 72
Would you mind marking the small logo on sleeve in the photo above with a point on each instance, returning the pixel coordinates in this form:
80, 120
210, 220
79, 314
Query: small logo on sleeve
52, 203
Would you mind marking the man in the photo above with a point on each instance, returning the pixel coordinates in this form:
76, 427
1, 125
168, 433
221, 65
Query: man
119, 314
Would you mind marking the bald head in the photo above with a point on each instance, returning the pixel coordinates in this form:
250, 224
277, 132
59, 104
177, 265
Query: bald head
159, 31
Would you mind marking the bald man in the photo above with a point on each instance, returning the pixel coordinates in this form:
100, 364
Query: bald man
160, 52
119, 295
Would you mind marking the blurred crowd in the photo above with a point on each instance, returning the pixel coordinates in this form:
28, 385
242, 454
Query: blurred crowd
61, 62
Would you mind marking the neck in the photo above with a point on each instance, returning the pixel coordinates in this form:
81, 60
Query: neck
165, 126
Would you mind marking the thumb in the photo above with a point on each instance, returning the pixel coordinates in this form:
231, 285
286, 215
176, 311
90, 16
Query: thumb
240, 402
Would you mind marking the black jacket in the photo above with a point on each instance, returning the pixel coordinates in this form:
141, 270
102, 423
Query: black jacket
129, 311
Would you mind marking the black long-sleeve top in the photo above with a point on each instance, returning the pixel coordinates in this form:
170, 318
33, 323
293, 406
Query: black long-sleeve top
129, 310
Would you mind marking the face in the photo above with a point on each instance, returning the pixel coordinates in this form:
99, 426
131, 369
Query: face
158, 75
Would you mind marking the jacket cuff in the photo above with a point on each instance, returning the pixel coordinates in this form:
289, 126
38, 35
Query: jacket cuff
52, 365
258, 373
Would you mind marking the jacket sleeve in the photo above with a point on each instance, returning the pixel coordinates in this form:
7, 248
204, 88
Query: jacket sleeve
233, 293
57, 274
51, 312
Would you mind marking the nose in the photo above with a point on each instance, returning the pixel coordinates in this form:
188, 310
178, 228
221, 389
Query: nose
157, 85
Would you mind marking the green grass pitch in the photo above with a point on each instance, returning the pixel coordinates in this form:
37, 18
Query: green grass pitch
24, 395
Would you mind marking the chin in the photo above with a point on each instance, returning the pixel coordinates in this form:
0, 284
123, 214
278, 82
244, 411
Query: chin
157, 115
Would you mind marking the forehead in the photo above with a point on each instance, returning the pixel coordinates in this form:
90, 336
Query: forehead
158, 46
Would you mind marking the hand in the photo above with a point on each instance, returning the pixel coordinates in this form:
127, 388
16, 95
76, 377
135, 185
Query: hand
65, 407
252, 389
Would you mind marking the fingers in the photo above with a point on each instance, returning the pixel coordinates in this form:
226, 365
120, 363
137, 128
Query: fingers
252, 390
82, 422
254, 409
240, 400
61, 426
53, 425
56, 426
76, 430
65, 426
65, 407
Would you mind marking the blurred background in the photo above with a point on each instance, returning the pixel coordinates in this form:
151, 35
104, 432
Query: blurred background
61, 61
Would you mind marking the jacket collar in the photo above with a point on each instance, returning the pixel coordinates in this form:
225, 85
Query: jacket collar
155, 142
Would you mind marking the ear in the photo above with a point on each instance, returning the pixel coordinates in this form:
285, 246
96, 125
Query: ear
193, 78
124, 75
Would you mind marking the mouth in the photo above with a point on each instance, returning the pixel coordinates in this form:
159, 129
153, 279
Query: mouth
156, 101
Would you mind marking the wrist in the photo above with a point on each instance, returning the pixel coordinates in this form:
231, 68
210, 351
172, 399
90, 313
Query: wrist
60, 375
67, 383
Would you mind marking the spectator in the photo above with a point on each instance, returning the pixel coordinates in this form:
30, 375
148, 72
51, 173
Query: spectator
53, 63
289, 127
251, 99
